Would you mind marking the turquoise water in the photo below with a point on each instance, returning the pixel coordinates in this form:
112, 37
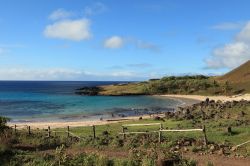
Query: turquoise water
41, 101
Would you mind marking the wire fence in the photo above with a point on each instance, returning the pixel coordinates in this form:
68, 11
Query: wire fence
125, 131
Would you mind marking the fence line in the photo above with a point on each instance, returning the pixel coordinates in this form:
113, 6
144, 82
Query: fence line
48, 130
161, 130
123, 131
139, 132
243, 143
141, 124
182, 130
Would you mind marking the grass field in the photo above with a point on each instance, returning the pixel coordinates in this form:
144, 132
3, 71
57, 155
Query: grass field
216, 131
109, 148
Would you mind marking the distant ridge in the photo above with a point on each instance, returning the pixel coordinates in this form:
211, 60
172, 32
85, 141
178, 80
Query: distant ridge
239, 77
240, 74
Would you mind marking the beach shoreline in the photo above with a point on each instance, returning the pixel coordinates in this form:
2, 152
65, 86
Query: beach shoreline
64, 124
96, 121
186, 100
216, 98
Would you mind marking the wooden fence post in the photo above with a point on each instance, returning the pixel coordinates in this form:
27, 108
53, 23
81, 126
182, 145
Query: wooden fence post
15, 129
49, 131
229, 130
68, 131
205, 135
123, 131
160, 133
94, 131
29, 132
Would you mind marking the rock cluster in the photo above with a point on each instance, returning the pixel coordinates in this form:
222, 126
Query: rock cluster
210, 109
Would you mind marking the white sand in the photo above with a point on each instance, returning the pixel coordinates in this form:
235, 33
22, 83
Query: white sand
43, 125
203, 98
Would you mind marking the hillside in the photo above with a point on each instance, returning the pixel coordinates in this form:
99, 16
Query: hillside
239, 77
239, 74
199, 85
235, 82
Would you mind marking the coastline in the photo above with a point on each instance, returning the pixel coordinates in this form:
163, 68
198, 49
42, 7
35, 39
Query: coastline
185, 100
216, 98
63, 124
96, 121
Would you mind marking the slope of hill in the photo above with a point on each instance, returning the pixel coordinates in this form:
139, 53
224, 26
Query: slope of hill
239, 77
239, 74
235, 82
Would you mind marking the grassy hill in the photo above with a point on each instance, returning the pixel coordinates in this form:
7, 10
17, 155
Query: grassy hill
198, 85
239, 77
235, 82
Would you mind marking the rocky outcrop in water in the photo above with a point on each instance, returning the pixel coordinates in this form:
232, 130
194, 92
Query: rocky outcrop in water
88, 91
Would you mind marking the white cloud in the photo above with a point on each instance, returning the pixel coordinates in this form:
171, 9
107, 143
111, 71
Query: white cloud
114, 42
228, 26
60, 14
232, 54
38, 74
95, 8
75, 30
21, 73
123, 74
244, 34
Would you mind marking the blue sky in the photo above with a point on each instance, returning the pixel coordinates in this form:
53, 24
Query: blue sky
121, 40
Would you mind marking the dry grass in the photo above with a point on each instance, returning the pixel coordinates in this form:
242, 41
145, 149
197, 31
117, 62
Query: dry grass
239, 77
123, 89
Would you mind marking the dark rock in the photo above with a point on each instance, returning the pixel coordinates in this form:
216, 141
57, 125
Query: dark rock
88, 91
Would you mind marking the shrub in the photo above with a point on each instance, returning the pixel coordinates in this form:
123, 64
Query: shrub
3, 121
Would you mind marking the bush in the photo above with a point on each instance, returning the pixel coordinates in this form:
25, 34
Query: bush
3, 121
148, 162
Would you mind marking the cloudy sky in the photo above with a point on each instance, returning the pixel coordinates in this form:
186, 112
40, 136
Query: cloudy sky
121, 40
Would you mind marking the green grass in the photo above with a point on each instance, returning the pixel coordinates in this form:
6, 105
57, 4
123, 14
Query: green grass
214, 132
199, 85
29, 148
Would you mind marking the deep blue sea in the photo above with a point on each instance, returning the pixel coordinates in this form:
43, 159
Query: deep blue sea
56, 100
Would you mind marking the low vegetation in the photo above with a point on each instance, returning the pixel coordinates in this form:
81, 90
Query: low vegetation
227, 124
234, 82
198, 84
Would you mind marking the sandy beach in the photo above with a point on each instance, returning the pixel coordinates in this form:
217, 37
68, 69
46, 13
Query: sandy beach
186, 99
77, 123
202, 98
44, 125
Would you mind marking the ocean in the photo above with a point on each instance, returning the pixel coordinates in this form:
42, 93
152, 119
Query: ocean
26, 101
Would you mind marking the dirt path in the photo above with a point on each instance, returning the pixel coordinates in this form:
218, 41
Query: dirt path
218, 160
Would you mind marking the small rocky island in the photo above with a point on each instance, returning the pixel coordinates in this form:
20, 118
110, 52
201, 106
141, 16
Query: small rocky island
88, 91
